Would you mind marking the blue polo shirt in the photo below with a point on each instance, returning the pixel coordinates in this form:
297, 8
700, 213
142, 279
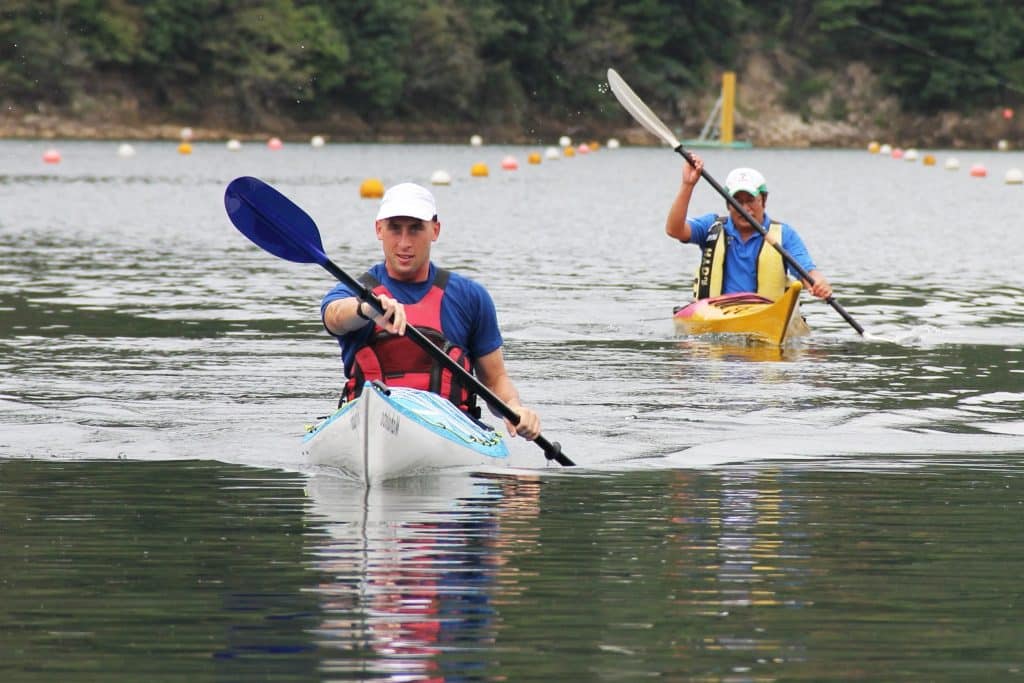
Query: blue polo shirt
468, 317
741, 257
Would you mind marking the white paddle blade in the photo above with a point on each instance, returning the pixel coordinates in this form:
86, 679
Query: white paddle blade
632, 103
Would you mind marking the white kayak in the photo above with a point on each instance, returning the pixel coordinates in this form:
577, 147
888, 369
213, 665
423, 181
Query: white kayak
393, 432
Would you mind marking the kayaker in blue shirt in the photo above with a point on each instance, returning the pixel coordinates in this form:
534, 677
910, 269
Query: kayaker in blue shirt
743, 263
454, 311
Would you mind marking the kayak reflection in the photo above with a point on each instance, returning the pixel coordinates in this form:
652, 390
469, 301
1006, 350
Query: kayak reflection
723, 347
409, 571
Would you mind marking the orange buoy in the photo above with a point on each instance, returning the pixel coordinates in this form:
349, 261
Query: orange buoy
534, 158
928, 160
275, 143
569, 152
184, 148
372, 188
873, 147
479, 170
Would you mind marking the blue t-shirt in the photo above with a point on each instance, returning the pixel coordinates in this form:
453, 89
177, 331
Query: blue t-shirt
468, 317
741, 257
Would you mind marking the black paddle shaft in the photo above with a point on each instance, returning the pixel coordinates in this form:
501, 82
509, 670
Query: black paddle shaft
552, 450
760, 228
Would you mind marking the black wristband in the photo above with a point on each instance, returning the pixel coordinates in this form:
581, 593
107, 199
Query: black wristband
359, 311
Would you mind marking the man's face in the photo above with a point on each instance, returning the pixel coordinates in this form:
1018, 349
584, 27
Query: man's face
406, 243
754, 204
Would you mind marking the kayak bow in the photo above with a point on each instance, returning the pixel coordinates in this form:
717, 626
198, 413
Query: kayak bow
748, 314
393, 432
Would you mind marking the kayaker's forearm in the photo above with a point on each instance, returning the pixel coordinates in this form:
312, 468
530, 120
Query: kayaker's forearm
341, 317
506, 391
821, 288
676, 225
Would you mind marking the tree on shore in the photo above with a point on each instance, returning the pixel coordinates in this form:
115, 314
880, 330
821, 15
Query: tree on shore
246, 62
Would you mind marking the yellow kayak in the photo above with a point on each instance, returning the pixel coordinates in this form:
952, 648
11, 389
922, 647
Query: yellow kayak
746, 313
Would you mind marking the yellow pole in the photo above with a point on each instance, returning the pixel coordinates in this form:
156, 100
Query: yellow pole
728, 104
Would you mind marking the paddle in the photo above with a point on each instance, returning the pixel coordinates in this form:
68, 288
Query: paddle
277, 225
646, 118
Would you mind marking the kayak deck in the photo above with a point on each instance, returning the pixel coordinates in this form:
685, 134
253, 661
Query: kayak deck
748, 314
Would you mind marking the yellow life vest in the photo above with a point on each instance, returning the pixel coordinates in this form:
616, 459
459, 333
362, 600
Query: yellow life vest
771, 268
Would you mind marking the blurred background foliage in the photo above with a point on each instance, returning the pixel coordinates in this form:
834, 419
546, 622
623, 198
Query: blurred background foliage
504, 62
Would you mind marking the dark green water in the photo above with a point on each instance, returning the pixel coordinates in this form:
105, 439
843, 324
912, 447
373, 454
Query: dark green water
198, 571
844, 509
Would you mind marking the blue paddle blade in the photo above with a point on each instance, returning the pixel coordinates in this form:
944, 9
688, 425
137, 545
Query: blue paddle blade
272, 221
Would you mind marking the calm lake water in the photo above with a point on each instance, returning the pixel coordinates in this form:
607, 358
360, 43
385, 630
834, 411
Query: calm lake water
846, 508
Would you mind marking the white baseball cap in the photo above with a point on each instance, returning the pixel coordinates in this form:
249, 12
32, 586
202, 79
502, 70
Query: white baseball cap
407, 199
745, 180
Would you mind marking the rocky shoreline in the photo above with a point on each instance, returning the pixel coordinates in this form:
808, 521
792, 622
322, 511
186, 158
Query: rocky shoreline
850, 113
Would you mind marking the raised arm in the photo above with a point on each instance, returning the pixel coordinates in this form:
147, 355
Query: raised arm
676, 225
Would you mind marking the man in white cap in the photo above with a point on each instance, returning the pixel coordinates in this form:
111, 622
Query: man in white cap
736, 257
453, 311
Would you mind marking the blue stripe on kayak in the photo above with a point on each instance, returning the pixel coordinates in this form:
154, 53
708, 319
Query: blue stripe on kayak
440, 416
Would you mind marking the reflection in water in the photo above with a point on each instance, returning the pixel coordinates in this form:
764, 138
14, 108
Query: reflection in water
722, 348
751, 559
412, 567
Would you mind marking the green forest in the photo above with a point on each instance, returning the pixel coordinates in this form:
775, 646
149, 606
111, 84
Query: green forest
507, 63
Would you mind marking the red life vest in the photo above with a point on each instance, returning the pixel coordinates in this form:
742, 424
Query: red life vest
400, 362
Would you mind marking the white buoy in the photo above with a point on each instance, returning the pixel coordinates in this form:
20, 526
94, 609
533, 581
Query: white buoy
125, 150
234, 145
613, 143
440, 177
910, 155
552, 153
885, 149
952, 164
476, 140
317, 141
185, 134
1014, 177
565, 141
1002, 145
